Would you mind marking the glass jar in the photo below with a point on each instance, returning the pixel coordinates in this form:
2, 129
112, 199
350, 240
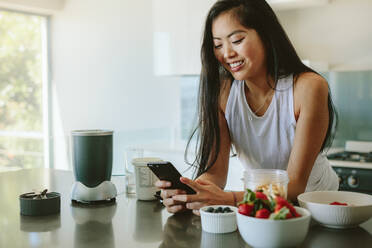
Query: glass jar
272, 182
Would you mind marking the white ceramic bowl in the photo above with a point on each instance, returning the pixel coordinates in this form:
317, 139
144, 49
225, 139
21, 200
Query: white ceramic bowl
218, 222
274, 233
359, 207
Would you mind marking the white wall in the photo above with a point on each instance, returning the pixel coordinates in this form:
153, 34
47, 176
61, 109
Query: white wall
102, 75
339, 33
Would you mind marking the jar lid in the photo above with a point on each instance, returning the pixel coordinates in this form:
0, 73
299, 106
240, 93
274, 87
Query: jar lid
143, 161
266, 175
93, 132
32, 204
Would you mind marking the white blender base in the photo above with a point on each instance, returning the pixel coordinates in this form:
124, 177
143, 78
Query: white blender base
104, 191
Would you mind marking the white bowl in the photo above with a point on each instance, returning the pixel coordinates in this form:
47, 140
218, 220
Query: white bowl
218, 222
359, 207
274, 233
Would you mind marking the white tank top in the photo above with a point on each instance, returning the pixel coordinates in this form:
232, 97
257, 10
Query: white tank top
266, 141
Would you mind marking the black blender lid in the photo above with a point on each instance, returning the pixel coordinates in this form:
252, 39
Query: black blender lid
32, 204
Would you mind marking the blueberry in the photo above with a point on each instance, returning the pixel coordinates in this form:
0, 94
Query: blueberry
210, 210
227, 210
219, 210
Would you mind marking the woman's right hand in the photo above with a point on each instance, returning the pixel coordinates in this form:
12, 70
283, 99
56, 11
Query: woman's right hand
167, 194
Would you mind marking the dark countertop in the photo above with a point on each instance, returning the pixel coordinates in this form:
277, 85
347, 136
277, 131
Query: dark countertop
127, 223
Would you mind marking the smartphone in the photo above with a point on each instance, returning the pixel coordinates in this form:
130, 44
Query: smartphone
165, 170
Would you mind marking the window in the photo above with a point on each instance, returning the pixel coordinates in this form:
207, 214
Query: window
23, 91
189, 100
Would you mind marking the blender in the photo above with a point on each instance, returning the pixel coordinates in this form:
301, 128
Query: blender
92, 166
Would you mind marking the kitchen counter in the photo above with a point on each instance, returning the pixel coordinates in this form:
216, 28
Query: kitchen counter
126, 223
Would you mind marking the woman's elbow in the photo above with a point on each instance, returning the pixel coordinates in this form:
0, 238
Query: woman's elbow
295, 188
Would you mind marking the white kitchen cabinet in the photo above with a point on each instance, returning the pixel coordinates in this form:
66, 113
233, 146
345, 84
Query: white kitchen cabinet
178, 27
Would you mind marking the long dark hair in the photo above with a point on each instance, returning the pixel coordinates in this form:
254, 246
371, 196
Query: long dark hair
281, 59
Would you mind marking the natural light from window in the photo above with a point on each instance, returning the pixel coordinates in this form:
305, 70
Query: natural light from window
23, 91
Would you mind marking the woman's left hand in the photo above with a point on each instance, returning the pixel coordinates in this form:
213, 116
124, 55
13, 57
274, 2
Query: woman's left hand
207, 193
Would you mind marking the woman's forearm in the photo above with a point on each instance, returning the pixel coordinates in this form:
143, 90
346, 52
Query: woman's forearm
219, 180
294, 189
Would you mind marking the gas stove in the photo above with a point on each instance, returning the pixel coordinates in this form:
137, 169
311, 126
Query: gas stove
353, 166
352, 156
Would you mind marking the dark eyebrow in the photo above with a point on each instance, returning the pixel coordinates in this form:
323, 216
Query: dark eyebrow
231, 34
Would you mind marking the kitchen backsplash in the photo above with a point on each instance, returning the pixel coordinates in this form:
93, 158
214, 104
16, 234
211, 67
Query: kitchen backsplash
352, 96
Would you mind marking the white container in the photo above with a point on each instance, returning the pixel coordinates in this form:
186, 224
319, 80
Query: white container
274, 233
271, 181
218, 222
359, 207
144, 179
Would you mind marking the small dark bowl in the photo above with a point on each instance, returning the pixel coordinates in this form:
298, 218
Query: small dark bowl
40, 207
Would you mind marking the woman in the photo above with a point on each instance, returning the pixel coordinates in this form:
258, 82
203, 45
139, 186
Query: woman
257, 95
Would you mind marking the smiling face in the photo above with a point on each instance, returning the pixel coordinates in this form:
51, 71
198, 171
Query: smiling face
239, 49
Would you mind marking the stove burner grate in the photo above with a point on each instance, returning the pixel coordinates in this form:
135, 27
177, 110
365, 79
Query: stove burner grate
352, 156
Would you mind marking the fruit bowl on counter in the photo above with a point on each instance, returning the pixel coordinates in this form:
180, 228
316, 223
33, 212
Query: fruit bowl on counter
265, 221
337, 209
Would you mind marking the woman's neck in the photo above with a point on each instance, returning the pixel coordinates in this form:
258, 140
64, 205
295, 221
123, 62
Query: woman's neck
259, 86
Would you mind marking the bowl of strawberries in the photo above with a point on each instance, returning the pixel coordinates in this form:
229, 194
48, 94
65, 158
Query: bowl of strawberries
337, 209
275, 217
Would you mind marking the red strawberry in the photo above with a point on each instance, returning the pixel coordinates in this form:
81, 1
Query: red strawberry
280, 199
245, 209
338, 203
263, 213
280, 206
261, 195
283, 202
297, 215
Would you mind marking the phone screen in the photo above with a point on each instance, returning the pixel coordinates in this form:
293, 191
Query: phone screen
166, 171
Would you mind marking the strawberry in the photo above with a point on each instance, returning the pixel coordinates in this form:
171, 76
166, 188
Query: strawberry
260, 195
281, 214
263, 213
279, 206
338, 203
283, 202
245, 208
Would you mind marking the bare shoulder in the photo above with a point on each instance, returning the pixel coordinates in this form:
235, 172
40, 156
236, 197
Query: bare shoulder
310, 85
224, 94
310, 81
310, 90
